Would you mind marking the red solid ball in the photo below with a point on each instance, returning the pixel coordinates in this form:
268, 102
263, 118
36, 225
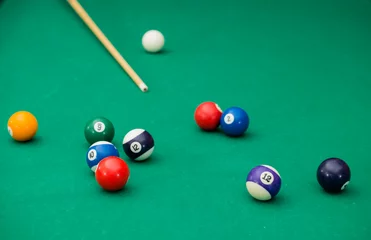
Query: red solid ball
112, 173
207, 116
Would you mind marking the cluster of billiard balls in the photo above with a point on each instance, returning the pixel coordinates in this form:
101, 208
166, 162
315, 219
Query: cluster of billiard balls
103, 158
112, 172
233, 121
263, 182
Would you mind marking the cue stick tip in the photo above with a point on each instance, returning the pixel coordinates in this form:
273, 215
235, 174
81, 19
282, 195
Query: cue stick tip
143, 87
107, 44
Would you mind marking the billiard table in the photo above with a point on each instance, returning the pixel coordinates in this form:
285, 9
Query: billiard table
300, 69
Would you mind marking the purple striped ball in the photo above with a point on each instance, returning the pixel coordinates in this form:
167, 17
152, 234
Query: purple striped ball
263, 182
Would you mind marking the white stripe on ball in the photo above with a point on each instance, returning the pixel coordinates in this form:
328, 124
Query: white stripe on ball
145, 155
94, 168
132, 134
100, 143
273, 169
257, 191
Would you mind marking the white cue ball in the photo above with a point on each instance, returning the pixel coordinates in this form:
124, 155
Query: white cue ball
153, 41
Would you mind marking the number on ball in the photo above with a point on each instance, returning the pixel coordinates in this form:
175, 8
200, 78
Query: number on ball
229, 118
92, 155
135, 147
267, 178
99, 127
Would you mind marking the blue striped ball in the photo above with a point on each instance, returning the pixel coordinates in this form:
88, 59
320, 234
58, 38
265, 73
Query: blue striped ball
99, 151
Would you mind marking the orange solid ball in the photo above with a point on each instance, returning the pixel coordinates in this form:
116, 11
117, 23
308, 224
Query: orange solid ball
22, 126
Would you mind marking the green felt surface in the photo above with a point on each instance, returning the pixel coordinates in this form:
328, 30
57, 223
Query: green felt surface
301, 69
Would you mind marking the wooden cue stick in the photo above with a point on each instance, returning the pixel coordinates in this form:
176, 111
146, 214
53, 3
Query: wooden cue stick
107, 44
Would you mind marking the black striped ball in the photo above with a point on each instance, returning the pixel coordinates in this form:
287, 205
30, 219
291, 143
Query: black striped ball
138, 144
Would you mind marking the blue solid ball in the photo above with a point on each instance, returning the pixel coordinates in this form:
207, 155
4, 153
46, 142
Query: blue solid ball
234, 121
99, 151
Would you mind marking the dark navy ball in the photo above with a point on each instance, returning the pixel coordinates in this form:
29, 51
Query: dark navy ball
138, 144
333, 174
234, 121
99, 151
263, 182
